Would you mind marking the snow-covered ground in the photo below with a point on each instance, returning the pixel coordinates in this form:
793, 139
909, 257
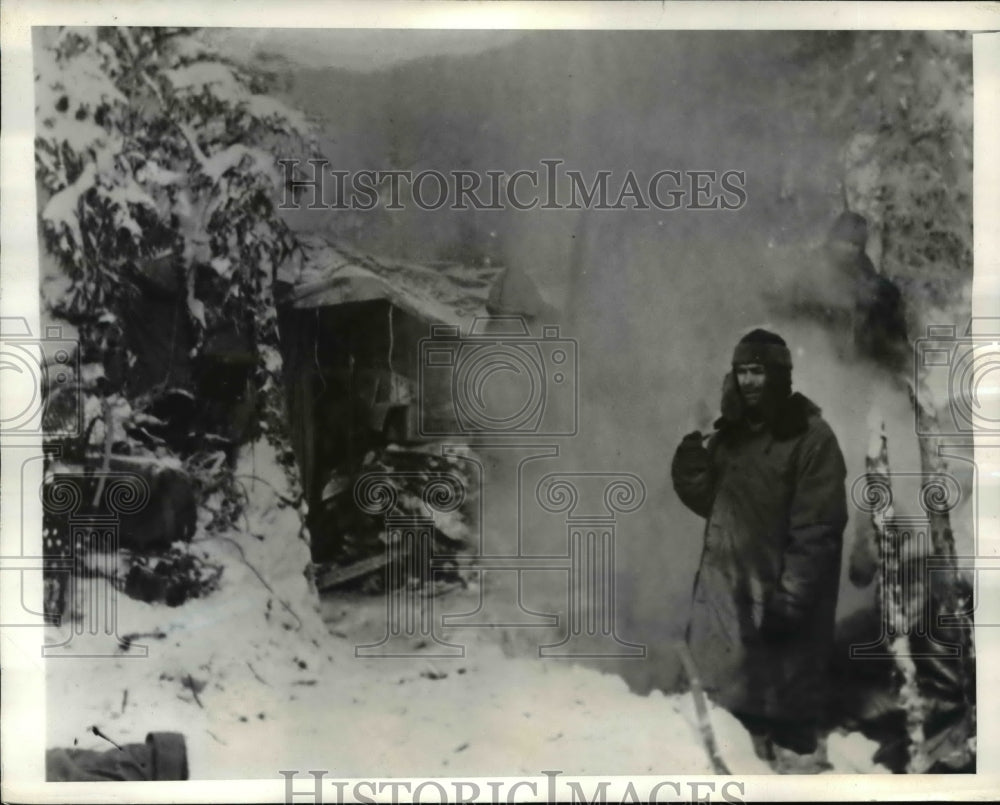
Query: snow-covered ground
261, 677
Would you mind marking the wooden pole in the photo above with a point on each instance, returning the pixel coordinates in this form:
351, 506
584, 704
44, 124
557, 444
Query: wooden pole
704, 725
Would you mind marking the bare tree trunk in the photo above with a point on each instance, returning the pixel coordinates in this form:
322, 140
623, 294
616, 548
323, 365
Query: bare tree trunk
890, 592
949, 602
109, 438
934, 468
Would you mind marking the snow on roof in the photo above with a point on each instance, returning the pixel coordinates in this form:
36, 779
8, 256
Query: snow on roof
333, 274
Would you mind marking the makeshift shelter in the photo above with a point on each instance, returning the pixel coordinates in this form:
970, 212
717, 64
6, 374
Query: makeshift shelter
351, 326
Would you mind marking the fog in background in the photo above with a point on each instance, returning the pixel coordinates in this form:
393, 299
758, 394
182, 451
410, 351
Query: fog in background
655, 299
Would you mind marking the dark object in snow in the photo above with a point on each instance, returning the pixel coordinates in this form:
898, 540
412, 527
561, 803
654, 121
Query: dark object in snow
162, 757
355, 546
171, 579
169, 419
433, 673
146, 585
55, 583
125, 643
194, 685
169, 514
331, 576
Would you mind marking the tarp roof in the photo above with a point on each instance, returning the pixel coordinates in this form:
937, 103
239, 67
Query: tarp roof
332, 274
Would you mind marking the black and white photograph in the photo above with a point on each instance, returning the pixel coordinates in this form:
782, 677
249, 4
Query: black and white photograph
505, 413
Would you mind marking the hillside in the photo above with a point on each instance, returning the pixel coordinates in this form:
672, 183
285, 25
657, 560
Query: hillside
655, 299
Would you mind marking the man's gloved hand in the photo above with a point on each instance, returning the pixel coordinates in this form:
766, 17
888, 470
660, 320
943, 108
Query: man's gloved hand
693, 441
691, 474
691, 455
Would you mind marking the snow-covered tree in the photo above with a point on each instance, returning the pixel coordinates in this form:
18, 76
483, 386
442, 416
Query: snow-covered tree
903, 102
152, 146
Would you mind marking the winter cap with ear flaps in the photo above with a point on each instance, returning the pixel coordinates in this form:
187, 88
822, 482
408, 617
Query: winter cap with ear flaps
763, 347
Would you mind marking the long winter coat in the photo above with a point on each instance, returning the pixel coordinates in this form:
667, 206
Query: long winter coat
776, 508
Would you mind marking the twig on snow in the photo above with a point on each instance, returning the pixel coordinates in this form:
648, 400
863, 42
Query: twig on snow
257, 676
217, 738
97, 731
189, 683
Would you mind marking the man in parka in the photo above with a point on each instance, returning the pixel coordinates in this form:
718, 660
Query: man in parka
770, 483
